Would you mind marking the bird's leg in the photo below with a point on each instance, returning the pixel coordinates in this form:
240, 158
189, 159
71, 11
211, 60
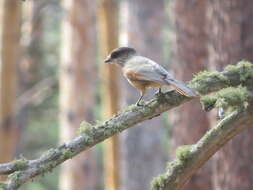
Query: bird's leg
142, 92
159, 92
138, 102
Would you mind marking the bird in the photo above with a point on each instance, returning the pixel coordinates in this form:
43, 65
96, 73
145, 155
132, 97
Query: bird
143, 73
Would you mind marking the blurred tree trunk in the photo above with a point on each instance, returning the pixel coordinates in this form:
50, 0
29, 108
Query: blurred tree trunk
33, 33
108, 30
142, 151
231, 40
28, 67
1, 26
189, 121
77, 88
9, 131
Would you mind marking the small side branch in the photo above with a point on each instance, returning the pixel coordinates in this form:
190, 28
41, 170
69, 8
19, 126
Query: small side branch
37, 93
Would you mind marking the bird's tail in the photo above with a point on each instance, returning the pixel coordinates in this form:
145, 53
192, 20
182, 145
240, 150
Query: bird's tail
182, 88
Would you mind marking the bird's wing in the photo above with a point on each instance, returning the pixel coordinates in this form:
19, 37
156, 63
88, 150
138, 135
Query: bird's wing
146, 69
141, 68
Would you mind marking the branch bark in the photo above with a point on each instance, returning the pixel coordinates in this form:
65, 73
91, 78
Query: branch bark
92, 135
191, 158
24, 170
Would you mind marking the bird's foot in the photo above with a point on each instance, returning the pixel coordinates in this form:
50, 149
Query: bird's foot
140, 103
159, 92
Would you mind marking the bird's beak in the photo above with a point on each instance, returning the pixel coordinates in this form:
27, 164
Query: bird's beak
108, 59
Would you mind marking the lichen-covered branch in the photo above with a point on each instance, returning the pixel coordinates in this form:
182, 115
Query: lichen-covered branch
23, 170
191, 158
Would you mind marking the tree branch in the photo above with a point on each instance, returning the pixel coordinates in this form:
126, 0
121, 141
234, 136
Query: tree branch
191, 158
23, 170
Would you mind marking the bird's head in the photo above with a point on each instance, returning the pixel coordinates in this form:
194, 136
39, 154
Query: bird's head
120, 55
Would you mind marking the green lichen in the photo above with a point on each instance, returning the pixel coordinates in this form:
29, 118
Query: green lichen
98, 123
89, 140
183, 153
238, 74
142, 102
67, 153
159, 182
130, 108
203, 81
227, 97
85, 128
233, 97
166, 98
134, 107
47, 167
212, 133
15, 176
2, 185
146, 110
48, 153
108, 133
21, 163
153, 104
244, 69
208, 102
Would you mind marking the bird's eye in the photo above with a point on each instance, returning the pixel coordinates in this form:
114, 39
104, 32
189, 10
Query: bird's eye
114, 55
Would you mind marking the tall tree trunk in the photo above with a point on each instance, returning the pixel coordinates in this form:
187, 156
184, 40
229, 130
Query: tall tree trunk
108, 30
28, 67
77, 77
189, 121
231, 40
1, 24
33, 33
142, 151
9, 131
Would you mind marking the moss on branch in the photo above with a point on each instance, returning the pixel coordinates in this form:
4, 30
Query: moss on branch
190, 159
84, 128
203, 81
233, 75
243, 71
2, 185
233, 97
236, 80
183, 153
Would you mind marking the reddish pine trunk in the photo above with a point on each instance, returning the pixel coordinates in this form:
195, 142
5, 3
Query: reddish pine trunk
108, 30
77, 80
10, 33
190, 122
231, 40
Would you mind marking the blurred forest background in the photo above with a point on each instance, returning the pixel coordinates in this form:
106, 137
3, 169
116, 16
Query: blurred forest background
52, 77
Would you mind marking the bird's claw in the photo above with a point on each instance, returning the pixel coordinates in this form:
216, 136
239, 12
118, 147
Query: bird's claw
138, 104
158, 92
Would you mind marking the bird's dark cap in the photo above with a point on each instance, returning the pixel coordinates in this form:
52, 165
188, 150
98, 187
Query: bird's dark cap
119, 52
